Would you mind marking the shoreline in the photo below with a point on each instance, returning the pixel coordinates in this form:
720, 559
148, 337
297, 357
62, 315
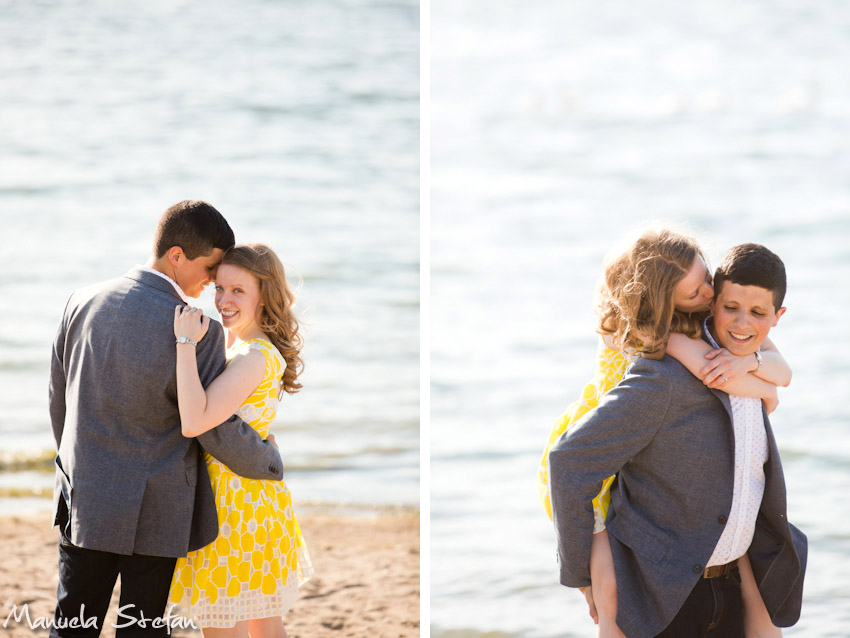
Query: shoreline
33, 503
366, 582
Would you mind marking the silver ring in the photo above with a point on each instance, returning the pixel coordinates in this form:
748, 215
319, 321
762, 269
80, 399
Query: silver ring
723, 376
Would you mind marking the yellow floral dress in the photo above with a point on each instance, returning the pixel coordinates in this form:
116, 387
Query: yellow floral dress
255, 566
610, 369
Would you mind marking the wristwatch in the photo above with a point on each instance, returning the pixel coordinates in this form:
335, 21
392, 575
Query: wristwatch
758, 357
194, 343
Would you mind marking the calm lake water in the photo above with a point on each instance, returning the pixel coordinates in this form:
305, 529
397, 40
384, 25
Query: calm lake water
300, 123
556, 127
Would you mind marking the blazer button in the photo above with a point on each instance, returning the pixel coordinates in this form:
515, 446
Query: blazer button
721, 520
697, 569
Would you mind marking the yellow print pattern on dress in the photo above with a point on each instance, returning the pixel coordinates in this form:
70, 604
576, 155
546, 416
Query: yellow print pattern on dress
610, 368
255, 566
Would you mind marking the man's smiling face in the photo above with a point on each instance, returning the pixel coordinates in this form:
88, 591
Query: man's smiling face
743, 316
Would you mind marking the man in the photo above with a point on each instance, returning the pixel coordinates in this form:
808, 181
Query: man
132, 494
685, 506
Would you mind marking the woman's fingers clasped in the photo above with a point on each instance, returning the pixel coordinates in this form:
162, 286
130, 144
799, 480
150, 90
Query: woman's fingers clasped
190, 322
723, 366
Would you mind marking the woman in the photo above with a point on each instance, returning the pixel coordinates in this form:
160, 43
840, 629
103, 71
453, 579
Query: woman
652, 300
248, 578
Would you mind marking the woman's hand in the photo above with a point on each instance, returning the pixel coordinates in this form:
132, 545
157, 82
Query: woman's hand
692, 354
723, 366
271, 440
591, 606
190, 322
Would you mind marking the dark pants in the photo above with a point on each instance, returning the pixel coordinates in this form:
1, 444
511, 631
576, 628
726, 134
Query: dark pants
714, 609
87, 577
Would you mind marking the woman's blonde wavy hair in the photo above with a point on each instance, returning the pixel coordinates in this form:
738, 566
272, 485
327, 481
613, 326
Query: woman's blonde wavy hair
275, 316
634, 303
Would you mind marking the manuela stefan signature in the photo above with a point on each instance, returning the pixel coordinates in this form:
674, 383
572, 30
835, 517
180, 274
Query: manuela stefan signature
126, 618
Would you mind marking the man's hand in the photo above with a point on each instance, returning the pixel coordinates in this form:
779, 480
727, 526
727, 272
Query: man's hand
591, 606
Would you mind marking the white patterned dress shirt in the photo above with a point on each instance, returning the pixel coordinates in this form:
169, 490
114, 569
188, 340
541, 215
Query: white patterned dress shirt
750, 457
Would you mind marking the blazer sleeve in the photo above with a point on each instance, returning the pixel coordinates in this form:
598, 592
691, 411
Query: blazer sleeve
595, 447
234, 442
56, 388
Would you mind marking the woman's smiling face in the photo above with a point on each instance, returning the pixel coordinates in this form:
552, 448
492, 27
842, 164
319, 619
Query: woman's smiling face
237, 298
694, 292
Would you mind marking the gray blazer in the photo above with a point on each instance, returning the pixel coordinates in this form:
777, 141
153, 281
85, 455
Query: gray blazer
127, 481
671, 441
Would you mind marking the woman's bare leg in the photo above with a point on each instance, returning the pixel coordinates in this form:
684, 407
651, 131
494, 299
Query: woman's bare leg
756, 619
239, 630
604, 583
267, 628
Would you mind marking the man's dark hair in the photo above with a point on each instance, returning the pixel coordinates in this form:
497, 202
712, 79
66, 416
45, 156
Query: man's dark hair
195, 226
752, 265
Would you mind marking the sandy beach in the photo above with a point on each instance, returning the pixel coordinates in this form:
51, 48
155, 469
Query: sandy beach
366, 582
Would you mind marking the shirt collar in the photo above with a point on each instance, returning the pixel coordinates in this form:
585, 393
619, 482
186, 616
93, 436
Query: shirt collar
169, 280
704, 326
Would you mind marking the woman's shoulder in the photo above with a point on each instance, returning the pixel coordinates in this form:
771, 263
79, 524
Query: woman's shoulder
611, 364
268, 349
608, 355
245, 361
259, 343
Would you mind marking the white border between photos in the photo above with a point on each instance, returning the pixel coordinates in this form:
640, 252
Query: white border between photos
424, 318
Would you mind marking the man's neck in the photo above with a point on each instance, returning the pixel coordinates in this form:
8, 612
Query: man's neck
157, 265
162, 266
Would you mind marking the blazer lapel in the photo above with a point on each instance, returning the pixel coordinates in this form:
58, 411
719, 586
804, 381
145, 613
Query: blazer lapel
724, 399
722, 396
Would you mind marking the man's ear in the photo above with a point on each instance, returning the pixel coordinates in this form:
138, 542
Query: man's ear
174, 255
779, 313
